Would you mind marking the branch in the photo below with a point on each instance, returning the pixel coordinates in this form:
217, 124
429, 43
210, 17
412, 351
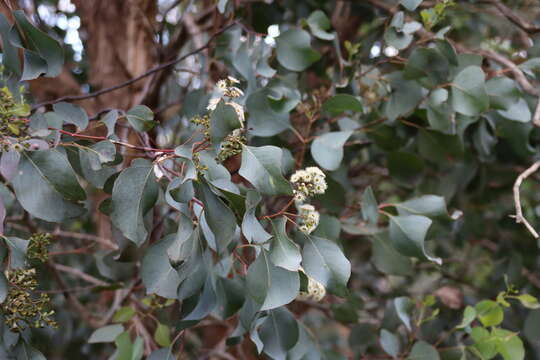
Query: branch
520, 78
137, 78
514, 18
517, 201
91, 137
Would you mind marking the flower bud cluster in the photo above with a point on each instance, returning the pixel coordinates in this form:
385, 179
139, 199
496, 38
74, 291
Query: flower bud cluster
231, 145
308, 182
21, 309
10, 112
38, 247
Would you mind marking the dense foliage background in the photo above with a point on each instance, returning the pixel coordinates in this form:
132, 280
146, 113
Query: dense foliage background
243, 179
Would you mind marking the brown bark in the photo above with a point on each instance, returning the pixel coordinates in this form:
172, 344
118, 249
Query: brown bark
119, 41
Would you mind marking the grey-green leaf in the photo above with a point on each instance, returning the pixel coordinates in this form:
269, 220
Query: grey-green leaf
469, 94
141, 118
46, 186
269, 285
71, 114
222, 122
408, 233
319, 24
411, 5
324, 261
390, 343
279, 333
261, 166
134, 193
47, 48
106, 334
423, 351
294, 50
327, 149
158, 276
283, 251
251, 227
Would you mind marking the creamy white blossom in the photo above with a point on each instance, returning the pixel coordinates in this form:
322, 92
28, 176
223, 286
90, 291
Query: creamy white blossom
315, 290
308, 218
308, 182
212, 104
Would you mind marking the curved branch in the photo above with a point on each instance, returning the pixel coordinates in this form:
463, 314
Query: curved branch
520, 219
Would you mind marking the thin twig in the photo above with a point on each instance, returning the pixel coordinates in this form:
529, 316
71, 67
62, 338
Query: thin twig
520, 219
136, 78
514, 18
80, 274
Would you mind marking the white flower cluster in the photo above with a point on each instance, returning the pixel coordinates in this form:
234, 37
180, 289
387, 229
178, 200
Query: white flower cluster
315, 290
308, 218
308, 182
227, 88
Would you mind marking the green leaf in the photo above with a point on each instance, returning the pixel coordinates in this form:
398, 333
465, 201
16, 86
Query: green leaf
489, 313
263, 119
158, 276
222, 122
423, 351
269, 285
251, 227
126, 350
134, 193
283, 251
509, 345
410, 5
71, 114
141, 118
327, 149
387, 260
279, 333
42, 45
469, 94
340, 103
294, 51
483, 343
319, 23
261, 166
162, 335
124, 314
468, 317
427, 205
218, 216
106, 334
408, 233
390, 343
324, 261
529, 301
46, 186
